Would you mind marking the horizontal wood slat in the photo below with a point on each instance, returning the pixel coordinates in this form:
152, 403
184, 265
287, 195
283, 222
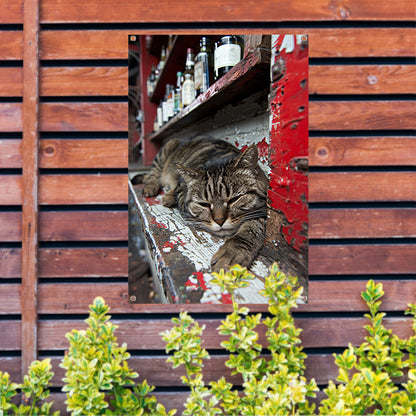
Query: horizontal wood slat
83, 262
83, 117
10, 154
69, 189
83, 153
144, 334
158, 372
112, 189
362, 223
11, 11
112, 226
139, 11
11, 45
323, 43
10, 300
362, 259
83, 81
108, 81
69, 153
362, 151
11, 117
69, 262
11, 82
362, 79
362, 186
325, 296
112, 153
362, 115
69, 226
324, 115
323, 260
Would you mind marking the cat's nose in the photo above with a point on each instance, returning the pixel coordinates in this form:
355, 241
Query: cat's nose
220, 221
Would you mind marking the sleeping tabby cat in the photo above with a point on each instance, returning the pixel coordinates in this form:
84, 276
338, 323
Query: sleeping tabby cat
217, 188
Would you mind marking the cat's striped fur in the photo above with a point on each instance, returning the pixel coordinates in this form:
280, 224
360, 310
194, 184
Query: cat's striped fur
217, 188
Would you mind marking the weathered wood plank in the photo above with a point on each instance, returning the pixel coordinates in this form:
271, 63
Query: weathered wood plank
112, 189
323, 260
159, 373
325, 296
107, 81
83, 81
141, 334
11, 117
69, 189
59, 226
83, 262
10, 154
90, 226
362, 223
362, 186
14, 335
10, 262
362, 79
11, 11
362, 151
11, 45
11, 190
69, 153
362, 115
83, 117
11, 82
83, 189
323, 43
138, 11
84, 153
362, 259
10, 226
10, 300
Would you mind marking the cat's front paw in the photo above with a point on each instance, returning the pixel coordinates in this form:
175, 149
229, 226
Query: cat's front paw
230, 254
150, 189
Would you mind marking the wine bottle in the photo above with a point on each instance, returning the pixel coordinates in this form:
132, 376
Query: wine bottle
203, 72
188, 85
228, 53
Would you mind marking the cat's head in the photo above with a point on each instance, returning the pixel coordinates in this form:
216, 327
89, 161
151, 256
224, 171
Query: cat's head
221, 198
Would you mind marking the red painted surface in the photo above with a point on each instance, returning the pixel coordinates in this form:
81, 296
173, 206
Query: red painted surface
288, 191
196, 282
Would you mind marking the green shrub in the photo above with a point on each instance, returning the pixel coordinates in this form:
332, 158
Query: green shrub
34, 389
276, 386
98, 380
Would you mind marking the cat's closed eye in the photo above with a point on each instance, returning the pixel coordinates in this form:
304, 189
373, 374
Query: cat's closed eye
205, 204
234, 199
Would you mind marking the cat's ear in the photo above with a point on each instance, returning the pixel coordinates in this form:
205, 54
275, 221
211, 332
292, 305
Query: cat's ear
248, 159
187, 173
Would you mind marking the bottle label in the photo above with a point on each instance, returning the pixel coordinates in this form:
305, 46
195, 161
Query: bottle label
188, 92
226, 55
199, 75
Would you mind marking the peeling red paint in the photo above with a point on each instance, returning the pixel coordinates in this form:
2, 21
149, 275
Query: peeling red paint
194, 283
288, 190
159, 224
226, 298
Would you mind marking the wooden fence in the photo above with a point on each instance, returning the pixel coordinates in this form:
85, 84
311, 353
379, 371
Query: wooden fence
63, 166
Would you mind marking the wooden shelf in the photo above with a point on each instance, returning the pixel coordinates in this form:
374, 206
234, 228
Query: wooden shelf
249, 75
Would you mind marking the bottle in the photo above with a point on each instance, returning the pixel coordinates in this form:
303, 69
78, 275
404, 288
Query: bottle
162, 61
188, 85
204, 68
151, 81
177, 101
165, 110
170, 101
159, 116
228, 53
